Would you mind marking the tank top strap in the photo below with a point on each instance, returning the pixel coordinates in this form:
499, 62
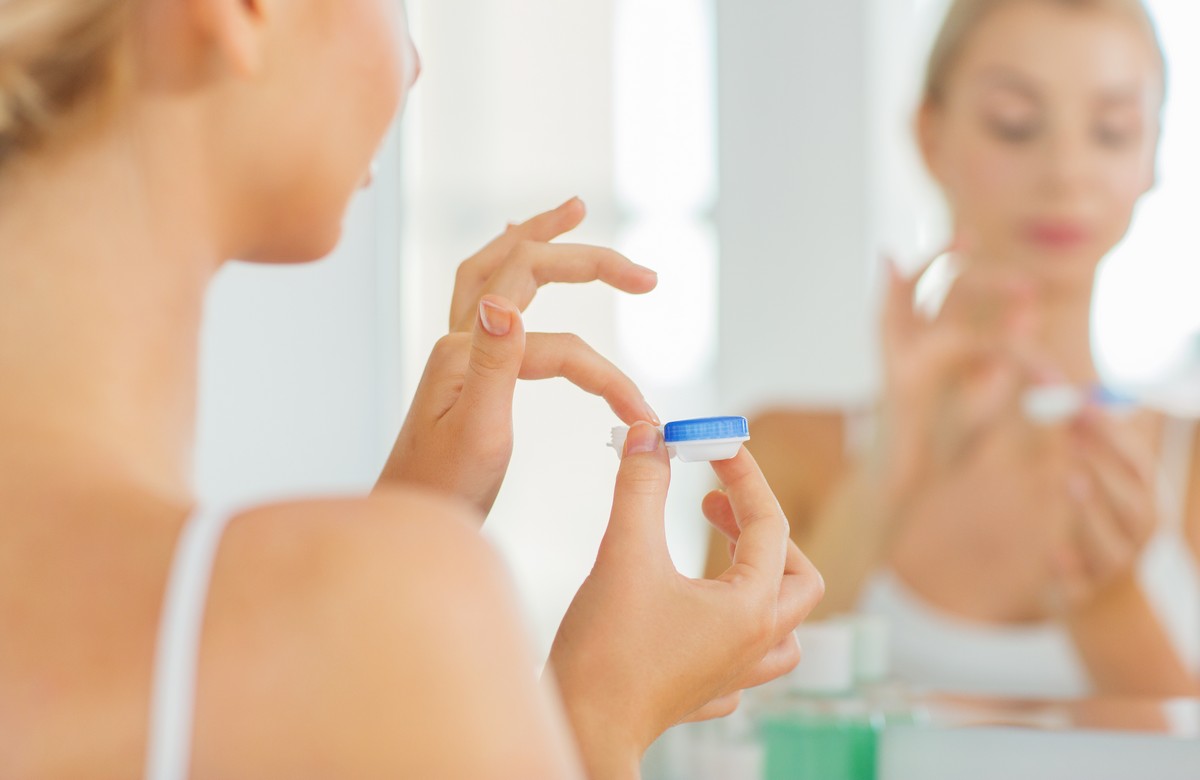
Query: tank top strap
169, 747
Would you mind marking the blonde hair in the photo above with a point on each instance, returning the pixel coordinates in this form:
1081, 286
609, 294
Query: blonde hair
965, 16
58, 58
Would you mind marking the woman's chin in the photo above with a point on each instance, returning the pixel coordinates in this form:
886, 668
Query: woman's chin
297, 247
1062, 267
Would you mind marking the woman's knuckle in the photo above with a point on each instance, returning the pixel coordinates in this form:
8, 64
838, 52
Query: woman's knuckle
758, 624
449, 346
642, 479
523, 251
485, 363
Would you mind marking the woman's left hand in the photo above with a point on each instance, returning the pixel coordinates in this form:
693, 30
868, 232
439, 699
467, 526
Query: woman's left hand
458, 435
1112, 490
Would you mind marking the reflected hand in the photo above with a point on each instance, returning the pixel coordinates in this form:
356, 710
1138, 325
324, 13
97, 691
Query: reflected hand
1112, 491
948, 378
643, 647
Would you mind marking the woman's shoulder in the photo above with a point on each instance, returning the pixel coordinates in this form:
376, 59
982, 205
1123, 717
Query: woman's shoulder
337, 531
358, 633
804, 450
391, 546
804, 427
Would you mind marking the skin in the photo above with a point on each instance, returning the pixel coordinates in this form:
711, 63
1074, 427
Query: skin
343, 636
1043, 140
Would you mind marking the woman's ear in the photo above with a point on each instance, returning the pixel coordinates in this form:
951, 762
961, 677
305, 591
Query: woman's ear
234, 30
928, 132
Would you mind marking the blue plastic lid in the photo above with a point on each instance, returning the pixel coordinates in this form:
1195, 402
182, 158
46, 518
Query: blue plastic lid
706, 429
1107, 396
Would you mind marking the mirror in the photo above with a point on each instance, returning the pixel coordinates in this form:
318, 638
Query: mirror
1014, 551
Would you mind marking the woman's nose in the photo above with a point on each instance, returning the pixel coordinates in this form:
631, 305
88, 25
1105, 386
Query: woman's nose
1068, 163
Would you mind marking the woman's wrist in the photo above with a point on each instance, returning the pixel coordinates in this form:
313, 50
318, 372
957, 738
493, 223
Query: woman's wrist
607, 745
607, 753
900, 459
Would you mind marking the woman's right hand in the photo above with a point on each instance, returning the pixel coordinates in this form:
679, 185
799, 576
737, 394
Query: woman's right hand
458, 435
643, 647
949, 376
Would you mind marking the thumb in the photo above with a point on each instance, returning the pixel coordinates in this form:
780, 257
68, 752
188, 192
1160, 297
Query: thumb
497, 351
637, 526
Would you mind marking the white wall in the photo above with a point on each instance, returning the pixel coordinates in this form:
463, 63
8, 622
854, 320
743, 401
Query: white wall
300, 366
795, 220
512, 117
820, 177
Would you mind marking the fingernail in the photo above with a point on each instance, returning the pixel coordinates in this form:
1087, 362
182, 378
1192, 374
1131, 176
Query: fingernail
643, 437
651, 415
496, 319
569, 201
888, 261
646, 270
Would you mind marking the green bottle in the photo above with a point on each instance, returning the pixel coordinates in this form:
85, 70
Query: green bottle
814, 725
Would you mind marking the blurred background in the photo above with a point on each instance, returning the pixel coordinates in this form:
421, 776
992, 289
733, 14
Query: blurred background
757, 153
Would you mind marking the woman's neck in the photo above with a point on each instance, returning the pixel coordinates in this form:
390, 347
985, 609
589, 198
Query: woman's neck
1065, 331
104, 261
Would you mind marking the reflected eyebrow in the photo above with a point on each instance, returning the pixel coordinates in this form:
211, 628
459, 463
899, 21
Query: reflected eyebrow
1001, 78
1121, 98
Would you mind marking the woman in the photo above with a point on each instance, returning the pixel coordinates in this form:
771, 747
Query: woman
144, 142
1014, 557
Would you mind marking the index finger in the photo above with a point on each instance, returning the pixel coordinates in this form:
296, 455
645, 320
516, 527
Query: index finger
1127, 448
545, 227
535, 265
476, 270
565, 355
762, 547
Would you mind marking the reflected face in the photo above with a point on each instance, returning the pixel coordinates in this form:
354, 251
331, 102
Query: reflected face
335, 76
1046, 136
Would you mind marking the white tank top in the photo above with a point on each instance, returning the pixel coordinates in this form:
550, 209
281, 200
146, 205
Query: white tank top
934, 649
169, 749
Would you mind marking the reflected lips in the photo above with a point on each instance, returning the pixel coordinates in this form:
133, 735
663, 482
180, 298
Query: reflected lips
1057, 235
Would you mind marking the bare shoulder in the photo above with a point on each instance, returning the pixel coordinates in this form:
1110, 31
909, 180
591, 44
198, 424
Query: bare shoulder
365, 637
1192, 500
802, 452
801, 429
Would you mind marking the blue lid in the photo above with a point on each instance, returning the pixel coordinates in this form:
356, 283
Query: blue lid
706, 429
1107, 396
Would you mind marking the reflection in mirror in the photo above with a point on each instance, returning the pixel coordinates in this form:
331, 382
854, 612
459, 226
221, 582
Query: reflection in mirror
1013, 553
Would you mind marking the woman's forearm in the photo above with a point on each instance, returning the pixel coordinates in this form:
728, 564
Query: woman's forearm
846, 542
1125, 648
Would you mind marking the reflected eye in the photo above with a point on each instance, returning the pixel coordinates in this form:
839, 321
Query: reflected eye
1114, 137
1013, 132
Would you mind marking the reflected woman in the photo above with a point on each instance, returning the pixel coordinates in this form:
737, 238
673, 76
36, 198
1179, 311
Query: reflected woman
1012, 556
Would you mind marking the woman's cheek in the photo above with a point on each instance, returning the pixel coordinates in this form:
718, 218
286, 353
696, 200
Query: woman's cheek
1126, 185
989, 184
